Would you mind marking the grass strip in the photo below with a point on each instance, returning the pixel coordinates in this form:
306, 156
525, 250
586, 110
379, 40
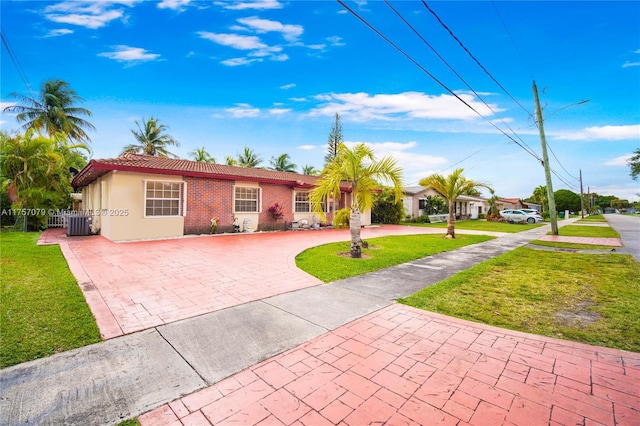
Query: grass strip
482, 225
43, 310
588, 231
331, 262
588, 298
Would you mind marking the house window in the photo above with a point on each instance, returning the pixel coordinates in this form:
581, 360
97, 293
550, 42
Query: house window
303, 204
163, 198
246, 199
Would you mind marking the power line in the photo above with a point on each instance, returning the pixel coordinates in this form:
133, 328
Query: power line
473, 57
455, 72
16, 63
385, 38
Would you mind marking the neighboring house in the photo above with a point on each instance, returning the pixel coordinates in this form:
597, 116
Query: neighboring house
143, 197
415, 198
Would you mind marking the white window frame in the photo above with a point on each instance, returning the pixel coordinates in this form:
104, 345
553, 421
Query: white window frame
181, 190
258, 199
306, 202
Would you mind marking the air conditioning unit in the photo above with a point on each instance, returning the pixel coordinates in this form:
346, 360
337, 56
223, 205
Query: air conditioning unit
77, 226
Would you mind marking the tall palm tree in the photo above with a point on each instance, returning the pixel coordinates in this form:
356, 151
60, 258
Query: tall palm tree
249, 158
152, 139
451, 187
54, 111
201, 155
230, 161
282, 163
358, 168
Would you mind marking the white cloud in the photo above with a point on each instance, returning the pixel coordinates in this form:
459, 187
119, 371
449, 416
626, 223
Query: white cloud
289, 32
258, 4
88, 14
307, 147
335, 41
619, 161
630, 64
243, 111
178, 5
415, 166
615, 133
235, 41
130, 54
235, 62
59, 32
288, 86
408, 105
279, 111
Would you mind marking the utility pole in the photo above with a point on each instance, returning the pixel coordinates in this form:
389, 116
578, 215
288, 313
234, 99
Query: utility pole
545, 160
581, 197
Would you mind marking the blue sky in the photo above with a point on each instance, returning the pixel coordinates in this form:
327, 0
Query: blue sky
271, 75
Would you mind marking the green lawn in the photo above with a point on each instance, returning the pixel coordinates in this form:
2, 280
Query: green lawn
331, 262
482, 225
571, 245
593, 218
594, 299
43, 311
588, 231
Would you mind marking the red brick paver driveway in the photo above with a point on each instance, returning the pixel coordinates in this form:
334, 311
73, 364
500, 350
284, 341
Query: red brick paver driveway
403, 366
138, 285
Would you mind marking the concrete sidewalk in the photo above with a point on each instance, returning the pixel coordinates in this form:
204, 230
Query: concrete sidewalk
358, 324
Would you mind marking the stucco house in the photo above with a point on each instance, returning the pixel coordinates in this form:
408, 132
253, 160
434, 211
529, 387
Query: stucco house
144, 197
415, 197
515, 203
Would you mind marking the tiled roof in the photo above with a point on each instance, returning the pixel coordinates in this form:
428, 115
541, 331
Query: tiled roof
170, 166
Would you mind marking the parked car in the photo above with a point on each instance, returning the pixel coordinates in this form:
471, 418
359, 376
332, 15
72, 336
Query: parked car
536, 212
515, 216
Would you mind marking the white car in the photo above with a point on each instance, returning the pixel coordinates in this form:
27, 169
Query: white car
516, 216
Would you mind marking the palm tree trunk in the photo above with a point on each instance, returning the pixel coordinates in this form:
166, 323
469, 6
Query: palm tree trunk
354, 227
451, 220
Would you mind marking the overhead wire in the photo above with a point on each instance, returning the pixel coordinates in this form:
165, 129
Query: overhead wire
423, 69
417, 33
16, 63
473, 57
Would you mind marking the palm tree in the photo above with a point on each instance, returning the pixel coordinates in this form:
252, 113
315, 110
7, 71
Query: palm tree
230, 161
249, 158
282, 164
540, 197
310, 171
358, 168
53, 112
151, 139
201, 155
451, 187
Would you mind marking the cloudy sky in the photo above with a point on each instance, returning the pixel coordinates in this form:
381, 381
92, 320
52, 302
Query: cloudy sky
271, 75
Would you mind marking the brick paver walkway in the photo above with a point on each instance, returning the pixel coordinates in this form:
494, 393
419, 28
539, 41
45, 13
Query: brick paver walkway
138, 285
403, 366
613, 242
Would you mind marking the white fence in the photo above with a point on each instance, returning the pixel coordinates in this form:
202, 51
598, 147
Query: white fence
57, 220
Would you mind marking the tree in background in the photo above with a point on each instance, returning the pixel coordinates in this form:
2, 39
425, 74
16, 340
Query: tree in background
540, 197
451, 187
386, 207
282, 164
201, 155
493, 205
152, 139
230, 161
335, 139
634, 164
249, 158
310, 171
358, 168
567, 200
55, 111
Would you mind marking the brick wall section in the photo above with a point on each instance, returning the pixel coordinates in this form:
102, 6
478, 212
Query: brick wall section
207, 198
272, 194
